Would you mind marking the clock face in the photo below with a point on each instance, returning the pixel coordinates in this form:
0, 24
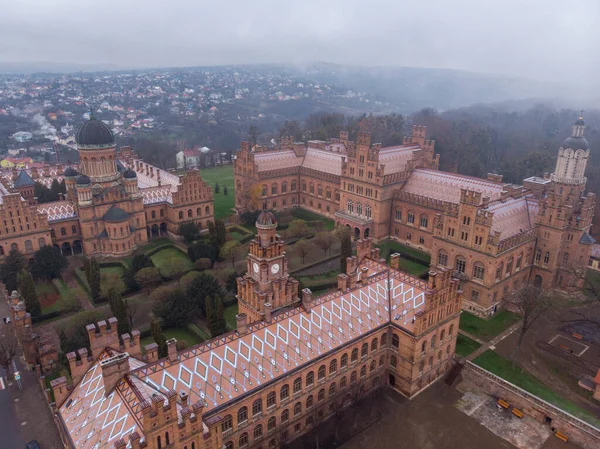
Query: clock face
275, 268
255, 267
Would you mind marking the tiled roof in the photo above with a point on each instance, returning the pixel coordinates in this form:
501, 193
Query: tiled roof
275, 160
447, 186
513, 216
58, 210
396, 158
325, 161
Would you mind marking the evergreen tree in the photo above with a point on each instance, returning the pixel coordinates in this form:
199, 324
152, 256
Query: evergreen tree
346, 249
202, 286
215, 319
64, 340
55, 190
221, 232
158, 337
212, 235
138, 262
94, 278
27, 290
118, 308
217, 188
9, 270
48, 262
231, 282
225, 190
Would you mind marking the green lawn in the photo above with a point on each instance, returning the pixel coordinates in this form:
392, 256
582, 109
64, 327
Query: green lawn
465, 346
389, 247
162, 258
178, 333
487, 329
224, 176
414, 268
236, 235
45, 288
307, 215
230, 313
502, 367
111, 277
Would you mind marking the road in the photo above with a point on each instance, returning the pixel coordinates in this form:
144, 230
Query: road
10, 428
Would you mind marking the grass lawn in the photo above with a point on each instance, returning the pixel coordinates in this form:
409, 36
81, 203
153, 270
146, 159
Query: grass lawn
236, 235
224, 176
389, 247
307, 215
487, 329
154, 243
229, 313
502, 367
45, 288
178, 333
465, 346
592, 281
112, 277
414, 268
162, 258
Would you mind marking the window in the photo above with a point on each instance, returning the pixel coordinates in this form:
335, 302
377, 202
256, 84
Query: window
353, 377
361, 172
153, 214
264, 190
28, 246
271, 399
332, 389
372, 366
344, 361
358, 208
271, 424
180, 215
464, 236
354, 356
362, 159
320, 190
374, 345
423, 221
63, 231
546, 258
321, 373
478, 240
451, 330
297, 408
41, 242
466, 220
461, 264
309, 401
189, 213
321, 395
411, 218
284, 393
274, 189
398, 214
478, 270
333, 366
395, 341
285, 415
424, 346
73, 229
242, 415
368, 212
363, 371
509, 265
328, 193
519, 260
442, 258
293, 188
474, 296
565, 258
393, 362
538, 255
421, 240
350, 207
297, 385
408, 236
257, 407
312, 188
310, 378
343, 382
381, 360
198, 212
364, 350
243, 441
383, 340
258, 431
442, 334
227, 424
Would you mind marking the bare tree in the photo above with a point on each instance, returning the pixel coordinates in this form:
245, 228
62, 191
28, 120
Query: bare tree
591, 291
302, 248
8, 348
324, 240
531, 303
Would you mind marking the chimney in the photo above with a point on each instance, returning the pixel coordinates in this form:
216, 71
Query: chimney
268, 310
113, 370
342, 282
241, 321
395, 261
120, 444
363, 275
59, 387
307, 299
151, 352
183, 398
172, 348
134, 439
351, 264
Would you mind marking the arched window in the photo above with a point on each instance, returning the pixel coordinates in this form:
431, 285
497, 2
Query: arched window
354, 356
153, 215
199, 212
499, 270
343, 382
285, 415
283, 187
363, 371
271, 399
433, 339
372, 366
310, 378
293, 186
424, 346
227, 423
328, 193
309, 401
242, 415
546, 258
350, 207
411, 217
274, 189
374, 344
364, 350
442, 334
344, 361
395, 341
509, 265
321, 372
442, 258
311, 188
303, 186
368, 211
73, 229
207, 211
297, 408
258, 431
358, 208
264, 190
14, 246
565, 259
321, 395
451, 330
28, 246
381, 360
333, 366
423, 221
257, 407
519, 262
478, 271
393, 361
63, 231
384, 340
41, 242
461, 264
180, 215
272, 423
398, 214
332, 389
353, 377
189, 213
320, 190
284, 393
297, 385
243, 441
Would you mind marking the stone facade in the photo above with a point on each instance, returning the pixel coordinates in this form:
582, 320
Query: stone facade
495, 236
113, 205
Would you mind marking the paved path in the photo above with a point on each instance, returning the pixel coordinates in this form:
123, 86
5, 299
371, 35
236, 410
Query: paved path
485, 345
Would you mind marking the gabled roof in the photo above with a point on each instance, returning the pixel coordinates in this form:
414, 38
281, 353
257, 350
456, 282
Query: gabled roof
24, 180
587, 239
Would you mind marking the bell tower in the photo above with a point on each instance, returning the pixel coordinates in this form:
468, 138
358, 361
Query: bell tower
266, 286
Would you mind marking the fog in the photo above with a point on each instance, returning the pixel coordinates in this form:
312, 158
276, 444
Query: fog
553, 40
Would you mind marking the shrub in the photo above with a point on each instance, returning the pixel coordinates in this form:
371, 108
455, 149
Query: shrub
161, 293
186, 279
69, 302
203, 264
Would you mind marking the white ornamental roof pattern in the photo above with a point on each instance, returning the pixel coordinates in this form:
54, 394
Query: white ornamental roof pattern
58, 210
513, 216
275, 160
447, 186
325, 161
145, 181
153, 195
396, 158
44, 180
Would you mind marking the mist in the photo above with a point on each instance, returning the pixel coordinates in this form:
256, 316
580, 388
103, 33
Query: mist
550, 40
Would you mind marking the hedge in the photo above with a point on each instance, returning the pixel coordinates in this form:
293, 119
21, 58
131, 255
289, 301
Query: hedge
113, 264
194, 329
239, 229
153, 251
82, 280
45, 316
246, 238
320, 285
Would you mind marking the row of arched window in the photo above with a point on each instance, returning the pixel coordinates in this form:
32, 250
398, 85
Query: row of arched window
190, 213
478, 268
63, 230
368, 212
28, 246
276, 188
410, 217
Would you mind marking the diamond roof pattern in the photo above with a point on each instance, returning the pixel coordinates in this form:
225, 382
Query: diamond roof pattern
513, 216
58, 210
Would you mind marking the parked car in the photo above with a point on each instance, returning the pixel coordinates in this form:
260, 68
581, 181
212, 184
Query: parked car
33, 444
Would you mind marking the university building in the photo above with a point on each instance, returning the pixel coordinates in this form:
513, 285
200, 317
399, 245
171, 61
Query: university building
114, 203
494, 236
275, 377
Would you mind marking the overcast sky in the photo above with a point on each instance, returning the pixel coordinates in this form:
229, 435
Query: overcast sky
551, 39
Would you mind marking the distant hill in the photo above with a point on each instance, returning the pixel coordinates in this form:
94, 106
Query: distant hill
54, 67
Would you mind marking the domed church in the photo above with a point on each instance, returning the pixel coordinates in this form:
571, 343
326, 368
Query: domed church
115, 202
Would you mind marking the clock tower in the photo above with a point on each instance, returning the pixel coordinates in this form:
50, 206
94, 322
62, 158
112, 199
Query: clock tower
266, 286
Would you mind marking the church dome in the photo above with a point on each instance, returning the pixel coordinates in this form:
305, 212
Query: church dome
576, 143
70, 172
266, 219
115, 215
83, 180
129, 174
94, 134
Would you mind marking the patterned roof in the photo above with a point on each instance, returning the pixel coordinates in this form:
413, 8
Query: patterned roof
447, 186
325, 161
396, 158
229, 366
58, 210
275, 160
513, 216
6, 176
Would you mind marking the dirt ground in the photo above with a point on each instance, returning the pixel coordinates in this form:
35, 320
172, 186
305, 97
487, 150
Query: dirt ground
555, 366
